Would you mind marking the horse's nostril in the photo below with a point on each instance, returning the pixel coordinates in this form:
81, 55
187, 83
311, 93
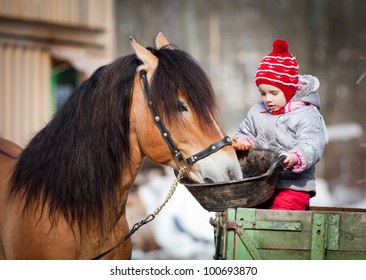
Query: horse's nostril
232, 175
208, 180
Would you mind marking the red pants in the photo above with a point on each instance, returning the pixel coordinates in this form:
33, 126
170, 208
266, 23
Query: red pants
288, 200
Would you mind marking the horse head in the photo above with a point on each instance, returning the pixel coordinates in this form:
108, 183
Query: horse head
173, 115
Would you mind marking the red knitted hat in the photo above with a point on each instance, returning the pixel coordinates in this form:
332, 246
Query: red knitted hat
279, 68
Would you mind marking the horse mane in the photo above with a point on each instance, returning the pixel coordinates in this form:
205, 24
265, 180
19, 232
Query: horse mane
75, 163
178, 70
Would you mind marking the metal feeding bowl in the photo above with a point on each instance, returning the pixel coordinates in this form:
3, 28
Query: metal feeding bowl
260, 168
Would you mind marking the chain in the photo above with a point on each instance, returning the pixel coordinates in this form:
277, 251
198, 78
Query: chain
152, 216
172, 189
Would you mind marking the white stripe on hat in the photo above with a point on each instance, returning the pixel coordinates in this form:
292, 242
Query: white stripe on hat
278, 73
280, 57
278, 64
277, 81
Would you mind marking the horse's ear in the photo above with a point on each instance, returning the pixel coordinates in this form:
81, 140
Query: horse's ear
150, 61
161, 41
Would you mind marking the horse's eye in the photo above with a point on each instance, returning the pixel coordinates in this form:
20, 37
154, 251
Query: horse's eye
182, 107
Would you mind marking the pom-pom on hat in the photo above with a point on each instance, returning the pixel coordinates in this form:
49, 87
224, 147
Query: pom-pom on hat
280, 69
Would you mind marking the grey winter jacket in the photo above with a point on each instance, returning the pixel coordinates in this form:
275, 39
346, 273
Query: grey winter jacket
301, 131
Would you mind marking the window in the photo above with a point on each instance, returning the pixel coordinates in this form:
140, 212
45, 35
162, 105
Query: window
64, 82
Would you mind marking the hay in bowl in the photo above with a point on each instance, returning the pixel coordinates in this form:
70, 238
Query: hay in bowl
260, 168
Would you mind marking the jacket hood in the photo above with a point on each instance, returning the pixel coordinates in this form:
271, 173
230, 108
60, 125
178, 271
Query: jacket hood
308, 90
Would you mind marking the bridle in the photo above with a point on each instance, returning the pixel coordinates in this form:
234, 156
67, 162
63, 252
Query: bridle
165, 134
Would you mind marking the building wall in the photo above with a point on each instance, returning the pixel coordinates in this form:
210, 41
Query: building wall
25, 90
86, 13
32, 33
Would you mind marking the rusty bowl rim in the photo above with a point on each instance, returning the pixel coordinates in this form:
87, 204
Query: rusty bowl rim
272, 168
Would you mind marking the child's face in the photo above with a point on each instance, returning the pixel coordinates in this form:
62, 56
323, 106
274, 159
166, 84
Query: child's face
272, 97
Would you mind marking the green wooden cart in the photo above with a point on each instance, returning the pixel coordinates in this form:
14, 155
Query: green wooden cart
320, 233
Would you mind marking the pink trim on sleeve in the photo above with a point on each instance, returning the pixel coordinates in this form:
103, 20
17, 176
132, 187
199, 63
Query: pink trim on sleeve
248, 139
300, 165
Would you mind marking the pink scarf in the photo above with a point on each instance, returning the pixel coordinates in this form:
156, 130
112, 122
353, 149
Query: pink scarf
290, 106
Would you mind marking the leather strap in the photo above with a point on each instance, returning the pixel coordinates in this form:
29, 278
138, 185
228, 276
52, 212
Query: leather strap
165, 134
213, 148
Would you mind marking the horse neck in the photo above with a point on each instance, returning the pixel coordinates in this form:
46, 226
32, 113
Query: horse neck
129, 174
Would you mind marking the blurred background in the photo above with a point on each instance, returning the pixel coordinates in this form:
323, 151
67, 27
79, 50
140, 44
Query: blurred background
48, 47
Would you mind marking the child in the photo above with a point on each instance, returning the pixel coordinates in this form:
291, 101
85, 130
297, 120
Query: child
287, 121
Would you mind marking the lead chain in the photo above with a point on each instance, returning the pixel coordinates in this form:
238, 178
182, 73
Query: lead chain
172, 189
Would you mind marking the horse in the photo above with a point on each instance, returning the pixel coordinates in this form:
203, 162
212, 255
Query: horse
64, 196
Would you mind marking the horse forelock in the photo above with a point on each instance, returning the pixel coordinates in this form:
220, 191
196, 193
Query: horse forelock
74, 164
178, 70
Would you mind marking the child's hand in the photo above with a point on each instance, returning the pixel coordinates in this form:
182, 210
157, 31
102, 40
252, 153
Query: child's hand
241, 144
291, 160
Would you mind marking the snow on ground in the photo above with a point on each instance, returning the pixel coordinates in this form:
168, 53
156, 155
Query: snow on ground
182, 229
341, 197
323, 196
